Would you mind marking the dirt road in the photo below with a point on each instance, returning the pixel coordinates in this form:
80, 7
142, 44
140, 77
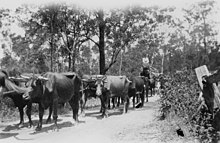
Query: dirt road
138, 125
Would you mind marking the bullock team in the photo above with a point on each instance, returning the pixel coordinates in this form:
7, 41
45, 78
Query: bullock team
50, 89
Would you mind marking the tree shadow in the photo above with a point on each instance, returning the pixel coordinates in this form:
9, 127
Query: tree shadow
53, 126
11, 127
7, 135
26, 124
111, 112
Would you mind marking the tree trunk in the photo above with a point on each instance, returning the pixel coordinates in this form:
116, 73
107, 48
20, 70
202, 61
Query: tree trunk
70, 61
162, 64
73, 60
120, 66
51, 54
101, 42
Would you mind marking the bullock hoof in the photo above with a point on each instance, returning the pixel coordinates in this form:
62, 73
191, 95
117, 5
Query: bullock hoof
48, 121
75, 122
55, 129
83, 114
20, 125
101, 110
38, 128
104, 115
139, 105
30, 126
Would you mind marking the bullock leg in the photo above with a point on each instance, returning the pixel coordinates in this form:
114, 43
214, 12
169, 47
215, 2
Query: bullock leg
142, 98
126, 104
133, 100
146, 91
82, 106
55, 116
151, 92
109, 104
74, 103
21, 112
50, 113
28, 112
133, 95
82, 102
137, 98
104, 104
119, 101
41, 113
114, 99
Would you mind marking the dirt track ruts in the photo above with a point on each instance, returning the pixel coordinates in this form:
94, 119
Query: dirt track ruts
138, 125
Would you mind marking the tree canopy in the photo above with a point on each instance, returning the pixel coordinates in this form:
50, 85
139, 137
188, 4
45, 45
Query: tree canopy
63, 37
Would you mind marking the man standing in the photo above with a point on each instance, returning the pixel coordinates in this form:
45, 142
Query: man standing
145, 72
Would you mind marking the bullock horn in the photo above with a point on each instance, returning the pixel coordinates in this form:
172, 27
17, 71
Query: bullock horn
99, 76
85, 80
26, 77
88, 80
11, 77
104, 79
20, 79
129, 81
43, 78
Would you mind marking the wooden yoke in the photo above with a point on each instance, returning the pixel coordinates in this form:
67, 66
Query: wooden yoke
200, 72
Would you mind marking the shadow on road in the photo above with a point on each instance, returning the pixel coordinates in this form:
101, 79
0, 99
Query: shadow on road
119, 110
26, 124
60, 126
111, 112
7, 135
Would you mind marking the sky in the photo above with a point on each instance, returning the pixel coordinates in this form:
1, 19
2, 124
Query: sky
103, 3
107, 4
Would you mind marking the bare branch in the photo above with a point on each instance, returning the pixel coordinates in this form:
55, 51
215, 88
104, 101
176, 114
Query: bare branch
97, 44
113, 59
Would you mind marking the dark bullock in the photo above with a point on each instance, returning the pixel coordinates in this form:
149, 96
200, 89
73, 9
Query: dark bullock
152, 85
112, 86
146, 76
88, 90
11, 90
138, 88
54, 88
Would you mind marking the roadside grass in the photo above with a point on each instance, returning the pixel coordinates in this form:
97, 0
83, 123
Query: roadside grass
168, 132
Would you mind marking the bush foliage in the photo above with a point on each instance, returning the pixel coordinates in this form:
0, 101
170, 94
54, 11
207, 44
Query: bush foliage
180, 98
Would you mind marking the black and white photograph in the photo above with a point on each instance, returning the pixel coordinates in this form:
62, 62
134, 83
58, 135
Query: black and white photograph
110, 71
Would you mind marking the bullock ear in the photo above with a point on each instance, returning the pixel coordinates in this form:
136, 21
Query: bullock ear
50, 85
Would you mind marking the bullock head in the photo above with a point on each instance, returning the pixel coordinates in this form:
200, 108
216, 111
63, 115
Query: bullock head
37, 85
100, 80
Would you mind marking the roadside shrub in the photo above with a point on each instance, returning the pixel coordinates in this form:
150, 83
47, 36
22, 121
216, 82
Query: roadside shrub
180, 98
8, 110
